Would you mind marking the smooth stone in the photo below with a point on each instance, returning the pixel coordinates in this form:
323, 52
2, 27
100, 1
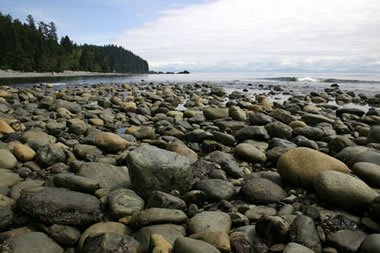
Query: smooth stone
283, 116
87, 152
31, 242
224, 138
7, 159
181, 148
343, 190
314, 119
153, 216
169, 231
313, 133
65, 235
141, 133
348, 154
48, 155
7, 207
152, 169
339, 143
256, 212
259, 119
236, 113
160, 244
24, 153
249, 153
77, 126
374, 134
299, 166
107, 175
24, 185
375, 209
219, 240
60, 206
252, 132
279, 130
75, 182
8, 179
304, 232
368, 172
5, 128
165, 200
110, 242
346, 241
227, 162
219, 91
104, 228
371, 244
71, 106
188, 245
110, 142
369, 156
210, 221
216, 189
293, 247
96, 122
215, 113
262, 191
36, 138
124, 202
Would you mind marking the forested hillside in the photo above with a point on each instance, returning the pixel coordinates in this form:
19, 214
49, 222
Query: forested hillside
35, 47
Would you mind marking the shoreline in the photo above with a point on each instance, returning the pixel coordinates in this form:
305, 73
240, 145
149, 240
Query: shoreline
11, 74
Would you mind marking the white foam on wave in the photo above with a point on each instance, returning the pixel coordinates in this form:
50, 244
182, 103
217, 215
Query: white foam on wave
307, 79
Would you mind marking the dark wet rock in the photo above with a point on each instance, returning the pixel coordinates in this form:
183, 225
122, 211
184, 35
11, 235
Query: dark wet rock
110, 242
107, 175
277, 142
375, 209
282, 116
60, 206
274, 229
198, 135
374, 134
348, 154
7, 207
154, 216
236, 113
333, 222
188, 245
153, 169
201, 169
219, 91
302, 141
224, 138
87, 152
230, 125
210, 221
48, 155
31, 242
369, 156
77, 126
72, 107
303, 231
314, 119
259, 119
279, 130
216, 189
262, 191
354, 111
8, 178
313, 133
300, 166
76, 183
124, 202
164, 200
339, 143
227, 162
346, 241
65, 235
252, 132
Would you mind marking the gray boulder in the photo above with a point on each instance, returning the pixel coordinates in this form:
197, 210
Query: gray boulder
188, 245
154, 169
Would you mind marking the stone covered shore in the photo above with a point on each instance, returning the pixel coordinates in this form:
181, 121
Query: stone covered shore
187, 168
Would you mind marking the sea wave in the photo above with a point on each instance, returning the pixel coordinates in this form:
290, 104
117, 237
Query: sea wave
321, 80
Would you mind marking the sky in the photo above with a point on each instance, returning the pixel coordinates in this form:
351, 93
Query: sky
223, 35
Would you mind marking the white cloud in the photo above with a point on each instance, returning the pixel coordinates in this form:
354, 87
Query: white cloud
257, 34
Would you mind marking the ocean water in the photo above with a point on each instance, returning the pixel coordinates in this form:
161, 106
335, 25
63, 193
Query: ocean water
302, 83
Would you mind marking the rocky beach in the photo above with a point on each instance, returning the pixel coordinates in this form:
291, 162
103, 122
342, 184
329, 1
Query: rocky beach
165, 167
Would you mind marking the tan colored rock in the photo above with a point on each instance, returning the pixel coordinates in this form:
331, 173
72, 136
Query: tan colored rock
128, 106
110, 142
181, 148
64, 113
160, 244
265, 102
297, 123
218, 239
5, 128
96, 122
24, 153
299, 166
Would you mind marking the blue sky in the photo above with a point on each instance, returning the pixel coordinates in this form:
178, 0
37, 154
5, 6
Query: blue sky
223, 35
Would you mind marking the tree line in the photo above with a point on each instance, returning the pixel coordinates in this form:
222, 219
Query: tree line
35, 47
